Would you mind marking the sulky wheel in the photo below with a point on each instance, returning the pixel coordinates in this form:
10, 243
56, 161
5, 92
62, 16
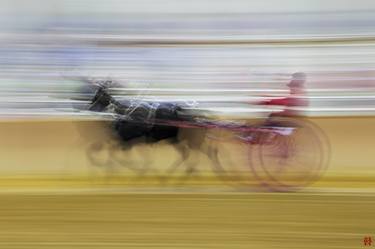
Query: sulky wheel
228, 153
290, 153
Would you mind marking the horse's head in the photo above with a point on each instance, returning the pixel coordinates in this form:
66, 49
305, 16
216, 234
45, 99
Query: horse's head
93, 95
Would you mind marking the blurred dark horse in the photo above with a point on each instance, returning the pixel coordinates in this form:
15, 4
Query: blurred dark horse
136, 122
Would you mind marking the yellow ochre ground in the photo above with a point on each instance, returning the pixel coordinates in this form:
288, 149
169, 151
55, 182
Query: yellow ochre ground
51, 197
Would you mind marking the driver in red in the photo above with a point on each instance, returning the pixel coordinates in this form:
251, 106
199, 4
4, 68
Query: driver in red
296, 99
293, 105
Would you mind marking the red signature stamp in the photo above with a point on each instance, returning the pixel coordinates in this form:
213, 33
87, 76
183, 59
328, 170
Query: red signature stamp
367, 241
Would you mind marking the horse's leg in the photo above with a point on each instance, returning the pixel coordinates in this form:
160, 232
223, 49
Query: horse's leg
212, 152
196, 146
145, 166
196, 143
140, 168
123, 149
98, 154
183, 151
190, 168
147, 160
193, 143
186, 141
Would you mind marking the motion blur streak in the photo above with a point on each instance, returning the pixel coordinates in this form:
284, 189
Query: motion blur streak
66, 182
186, 220
244, 46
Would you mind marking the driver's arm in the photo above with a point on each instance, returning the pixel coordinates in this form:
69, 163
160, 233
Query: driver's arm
278, 101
